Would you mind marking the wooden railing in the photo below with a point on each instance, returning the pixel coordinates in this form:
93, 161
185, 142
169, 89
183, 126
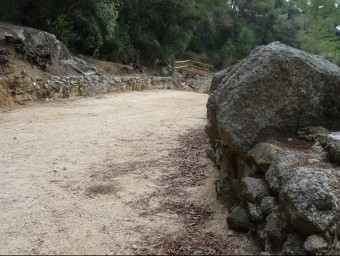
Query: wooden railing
186, 64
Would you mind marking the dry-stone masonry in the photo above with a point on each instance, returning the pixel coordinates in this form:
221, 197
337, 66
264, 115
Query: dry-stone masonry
274, 122
26, 88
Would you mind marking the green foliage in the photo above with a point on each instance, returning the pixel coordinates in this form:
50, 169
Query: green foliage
161, 29
63, 29
220, 32
84, 25
245, 42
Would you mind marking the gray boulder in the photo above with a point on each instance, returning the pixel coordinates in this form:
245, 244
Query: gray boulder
254, 190
285, 161
35, 39
312, 132
238, 219
308, 200
42, 48
276, 226
264, 155
294, 245
218, 78
273, 92
254, 213
333, 149
315, 244
267, 205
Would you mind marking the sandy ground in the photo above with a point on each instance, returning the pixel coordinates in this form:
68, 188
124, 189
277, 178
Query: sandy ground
118, 174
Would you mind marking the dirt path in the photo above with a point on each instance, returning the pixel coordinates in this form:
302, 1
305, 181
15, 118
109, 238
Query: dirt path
120, 174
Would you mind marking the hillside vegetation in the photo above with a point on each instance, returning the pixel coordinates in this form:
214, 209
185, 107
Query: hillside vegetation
150, 32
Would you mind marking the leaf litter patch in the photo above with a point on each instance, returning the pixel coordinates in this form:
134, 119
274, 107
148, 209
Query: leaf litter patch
101, 189
172, 198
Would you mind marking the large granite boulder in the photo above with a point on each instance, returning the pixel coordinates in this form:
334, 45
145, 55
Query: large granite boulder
271, 118
272, 93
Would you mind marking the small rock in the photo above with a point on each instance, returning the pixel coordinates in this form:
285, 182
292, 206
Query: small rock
264, 154
318, 149
267, 205
254, 190
275, 226
333, 149
134, 247
36, 86
230, 233
38, 78
252, 249
311, 132
263, 253
335, 136
238, 219
313, 161
255, 213
315, 243
294, 245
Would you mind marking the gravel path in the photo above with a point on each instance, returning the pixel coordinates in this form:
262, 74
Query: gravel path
119, 174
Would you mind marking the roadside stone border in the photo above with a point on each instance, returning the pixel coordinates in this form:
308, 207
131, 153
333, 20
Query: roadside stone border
24, 89
284, 192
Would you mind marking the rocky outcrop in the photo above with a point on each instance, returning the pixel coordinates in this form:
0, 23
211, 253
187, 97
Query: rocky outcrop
279, 176
41, 49
275, 91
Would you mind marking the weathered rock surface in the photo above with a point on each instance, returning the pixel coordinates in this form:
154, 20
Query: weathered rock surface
294, 245
39, 47
274, 91
267, 205
315, 244
308, 200
283, 163
254, 190
264, 155
275, 226
333, 149
288, 187
238, 219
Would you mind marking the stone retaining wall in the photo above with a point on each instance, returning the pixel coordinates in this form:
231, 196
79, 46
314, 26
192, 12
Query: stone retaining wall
285, 192
25, 88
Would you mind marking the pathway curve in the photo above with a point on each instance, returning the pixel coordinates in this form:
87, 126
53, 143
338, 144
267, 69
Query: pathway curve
118, 174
